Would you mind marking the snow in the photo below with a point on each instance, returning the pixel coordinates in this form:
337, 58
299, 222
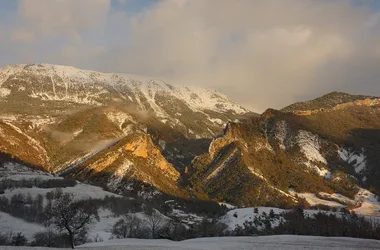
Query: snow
369, 203
263, 145
162, 144
281, 133
15, 171
284, 242
197, 98
238, 216
341, 198
103, 228
319, 170
118, 175
11, 224
253, 171
38, 121
80, 191
310, 146
357, 160
119, 118
313, 200
216, 120
187, 218
221, 166
227, 205
78, 98
34, 143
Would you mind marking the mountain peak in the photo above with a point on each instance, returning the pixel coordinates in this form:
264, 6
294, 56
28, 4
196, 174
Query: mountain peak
66, 83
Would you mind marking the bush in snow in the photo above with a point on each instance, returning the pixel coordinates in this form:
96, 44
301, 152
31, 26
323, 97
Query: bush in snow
209, 228
19, 240
154, 221
129, 226
50, 239
5, 239
298, 222
174, 231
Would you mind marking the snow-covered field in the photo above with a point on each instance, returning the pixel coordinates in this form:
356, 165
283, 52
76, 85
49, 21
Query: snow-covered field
285, 242
9, 223
80, 191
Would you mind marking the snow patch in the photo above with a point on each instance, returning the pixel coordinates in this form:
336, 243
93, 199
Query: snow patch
216, 120
357, 160
313, 200
253, 171
238, 216
369, 203
281, 132
119, 174
221, 166
341, 198
162, 144
319, 170
310, 146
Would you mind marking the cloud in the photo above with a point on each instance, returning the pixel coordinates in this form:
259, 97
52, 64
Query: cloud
62, 17
261, 53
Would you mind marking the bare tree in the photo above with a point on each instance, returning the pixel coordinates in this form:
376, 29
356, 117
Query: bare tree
73, 216
127, 227
154, 219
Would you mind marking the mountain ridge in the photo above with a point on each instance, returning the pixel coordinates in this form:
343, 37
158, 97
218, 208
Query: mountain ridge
135, 136
326, 101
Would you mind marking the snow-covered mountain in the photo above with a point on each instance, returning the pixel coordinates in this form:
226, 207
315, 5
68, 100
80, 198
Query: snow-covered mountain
64, 83
60, 118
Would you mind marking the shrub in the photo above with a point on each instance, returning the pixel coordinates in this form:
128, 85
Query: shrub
50, 239
19, 240
4, 240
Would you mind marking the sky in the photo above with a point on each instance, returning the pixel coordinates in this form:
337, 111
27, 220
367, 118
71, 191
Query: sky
263, 54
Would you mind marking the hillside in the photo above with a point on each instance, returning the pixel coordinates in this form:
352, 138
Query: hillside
327, 101
282, 159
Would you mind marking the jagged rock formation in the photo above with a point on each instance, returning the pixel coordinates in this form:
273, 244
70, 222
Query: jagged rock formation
133, 159
289, 155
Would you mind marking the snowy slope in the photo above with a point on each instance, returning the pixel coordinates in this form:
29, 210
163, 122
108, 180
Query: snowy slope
9, 223
238, 216
15, 171
197, 98
18, 172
